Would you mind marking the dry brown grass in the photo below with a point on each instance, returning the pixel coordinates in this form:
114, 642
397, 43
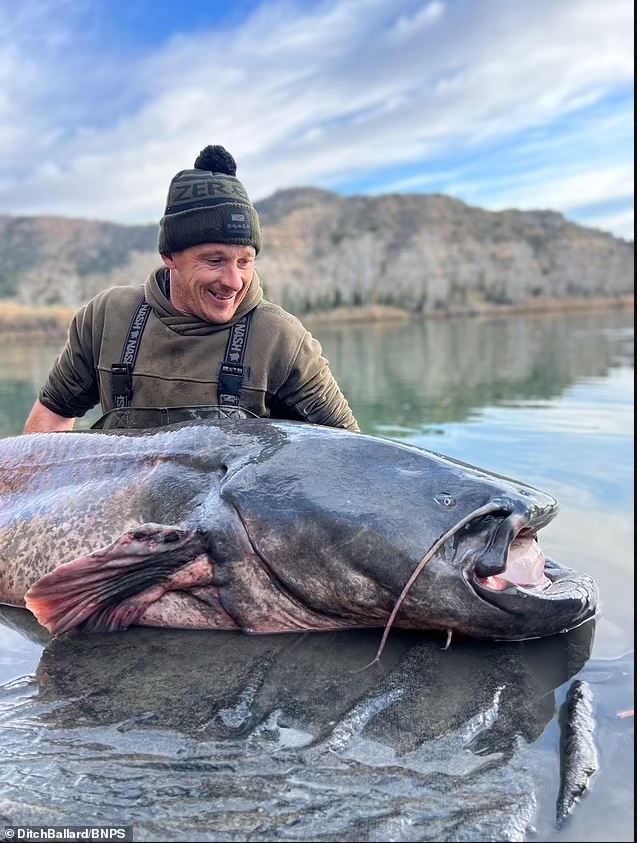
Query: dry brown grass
18, 320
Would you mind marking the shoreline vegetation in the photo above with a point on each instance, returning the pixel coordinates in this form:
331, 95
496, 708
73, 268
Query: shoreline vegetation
17, 321
383, 313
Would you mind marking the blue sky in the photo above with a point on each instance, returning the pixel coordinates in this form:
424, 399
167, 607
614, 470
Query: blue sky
501, 103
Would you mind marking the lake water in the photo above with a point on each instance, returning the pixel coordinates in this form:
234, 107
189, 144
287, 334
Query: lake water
216, 737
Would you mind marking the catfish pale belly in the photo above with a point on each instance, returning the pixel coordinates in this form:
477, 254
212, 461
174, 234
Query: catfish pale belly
274, 526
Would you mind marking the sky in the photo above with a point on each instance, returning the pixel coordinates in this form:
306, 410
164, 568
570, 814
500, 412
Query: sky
500, 103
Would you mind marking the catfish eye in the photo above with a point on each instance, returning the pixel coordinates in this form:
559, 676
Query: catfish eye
446, 500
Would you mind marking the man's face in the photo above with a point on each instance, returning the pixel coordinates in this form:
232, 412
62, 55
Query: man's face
210, 280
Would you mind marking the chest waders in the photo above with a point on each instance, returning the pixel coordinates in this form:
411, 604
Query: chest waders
231, 376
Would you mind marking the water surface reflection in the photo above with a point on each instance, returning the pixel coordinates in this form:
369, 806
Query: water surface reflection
282, 737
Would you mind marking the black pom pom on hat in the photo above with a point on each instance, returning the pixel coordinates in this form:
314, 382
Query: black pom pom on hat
216, 159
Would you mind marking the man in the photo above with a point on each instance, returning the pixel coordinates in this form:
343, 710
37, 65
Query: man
200, 332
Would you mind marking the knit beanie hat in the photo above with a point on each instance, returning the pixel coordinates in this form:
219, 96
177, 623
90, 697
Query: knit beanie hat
208, 205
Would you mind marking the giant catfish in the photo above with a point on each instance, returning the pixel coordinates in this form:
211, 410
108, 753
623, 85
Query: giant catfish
274, 526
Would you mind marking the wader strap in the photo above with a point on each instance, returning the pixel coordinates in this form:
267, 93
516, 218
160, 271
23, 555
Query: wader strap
232, 369
122, 372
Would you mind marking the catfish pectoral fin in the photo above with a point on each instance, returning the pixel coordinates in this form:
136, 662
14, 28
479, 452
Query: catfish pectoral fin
111, 588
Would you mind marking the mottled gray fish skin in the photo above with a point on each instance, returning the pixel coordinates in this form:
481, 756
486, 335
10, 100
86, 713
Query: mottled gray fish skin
578, 761
268, 526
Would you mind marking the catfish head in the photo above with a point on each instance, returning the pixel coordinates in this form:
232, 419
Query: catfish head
342, 521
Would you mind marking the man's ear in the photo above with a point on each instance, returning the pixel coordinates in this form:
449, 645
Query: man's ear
168, 261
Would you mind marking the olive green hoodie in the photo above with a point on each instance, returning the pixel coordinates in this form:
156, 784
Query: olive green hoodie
180, 357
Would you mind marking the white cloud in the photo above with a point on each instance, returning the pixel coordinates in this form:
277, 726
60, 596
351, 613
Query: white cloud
426, 16
300, 95
580, 189
550, 189
621, 223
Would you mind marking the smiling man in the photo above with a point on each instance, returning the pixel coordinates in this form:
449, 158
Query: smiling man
199, 334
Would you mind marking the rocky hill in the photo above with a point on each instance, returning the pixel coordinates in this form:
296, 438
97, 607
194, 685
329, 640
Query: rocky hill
424, 253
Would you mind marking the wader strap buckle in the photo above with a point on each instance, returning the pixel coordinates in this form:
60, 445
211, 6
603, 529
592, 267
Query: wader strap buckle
230, 380
122, 380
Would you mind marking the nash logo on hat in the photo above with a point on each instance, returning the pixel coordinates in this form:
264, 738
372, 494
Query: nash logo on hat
237, 225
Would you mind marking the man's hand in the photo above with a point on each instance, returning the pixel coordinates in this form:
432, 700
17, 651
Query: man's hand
43, 420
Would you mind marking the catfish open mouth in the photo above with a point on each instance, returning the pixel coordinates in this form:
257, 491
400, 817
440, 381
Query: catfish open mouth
563, 597
525, 566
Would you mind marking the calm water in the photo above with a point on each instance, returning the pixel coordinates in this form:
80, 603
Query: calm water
219, 737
